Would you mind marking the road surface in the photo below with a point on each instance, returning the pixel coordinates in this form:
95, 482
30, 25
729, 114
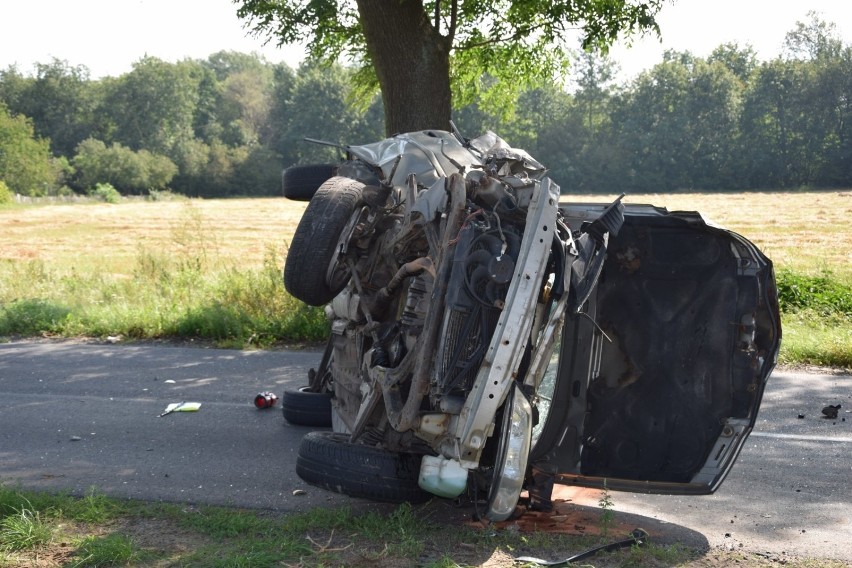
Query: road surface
76, 415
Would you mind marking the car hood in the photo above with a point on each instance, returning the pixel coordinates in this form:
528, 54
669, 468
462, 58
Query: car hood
658, 381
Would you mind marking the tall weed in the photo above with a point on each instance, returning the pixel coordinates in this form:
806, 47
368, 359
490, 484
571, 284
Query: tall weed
23, 529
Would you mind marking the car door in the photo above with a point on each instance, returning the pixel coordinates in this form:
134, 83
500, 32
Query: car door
658, 381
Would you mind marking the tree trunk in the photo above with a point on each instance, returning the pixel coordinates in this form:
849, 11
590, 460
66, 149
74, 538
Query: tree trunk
412, 62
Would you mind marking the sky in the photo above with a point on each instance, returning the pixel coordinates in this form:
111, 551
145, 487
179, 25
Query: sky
108, 36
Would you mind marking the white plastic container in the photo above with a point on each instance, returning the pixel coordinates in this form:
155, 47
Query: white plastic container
442, 477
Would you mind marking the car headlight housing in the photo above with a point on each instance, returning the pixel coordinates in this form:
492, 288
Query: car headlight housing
512, 454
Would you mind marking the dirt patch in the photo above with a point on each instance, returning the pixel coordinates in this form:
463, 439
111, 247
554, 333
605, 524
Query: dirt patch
161, 537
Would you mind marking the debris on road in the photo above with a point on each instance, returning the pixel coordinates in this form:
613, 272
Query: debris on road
831, 410
181, 407
265, 399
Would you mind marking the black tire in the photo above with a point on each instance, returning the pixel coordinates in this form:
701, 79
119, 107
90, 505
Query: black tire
329, 461
303, 407
315, 242
300, 183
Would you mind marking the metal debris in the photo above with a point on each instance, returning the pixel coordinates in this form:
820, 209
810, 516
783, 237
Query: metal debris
638, 537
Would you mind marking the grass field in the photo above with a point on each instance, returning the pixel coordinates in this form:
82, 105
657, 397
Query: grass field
803, 231
184, 267
109, 238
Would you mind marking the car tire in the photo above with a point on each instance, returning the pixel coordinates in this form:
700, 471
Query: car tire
303, 407
313, 247
300, 183
328, 460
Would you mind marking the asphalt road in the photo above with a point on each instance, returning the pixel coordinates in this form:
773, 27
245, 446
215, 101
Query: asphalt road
75, 416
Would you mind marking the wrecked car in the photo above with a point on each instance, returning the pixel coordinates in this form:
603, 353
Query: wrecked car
490, 340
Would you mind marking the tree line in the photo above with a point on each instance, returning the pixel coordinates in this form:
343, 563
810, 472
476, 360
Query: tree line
217, 127
227, 125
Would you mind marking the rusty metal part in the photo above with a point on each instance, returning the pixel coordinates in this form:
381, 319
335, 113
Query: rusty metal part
409, 415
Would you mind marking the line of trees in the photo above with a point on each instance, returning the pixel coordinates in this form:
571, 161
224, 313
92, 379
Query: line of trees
228, 124
216, 127
724, 122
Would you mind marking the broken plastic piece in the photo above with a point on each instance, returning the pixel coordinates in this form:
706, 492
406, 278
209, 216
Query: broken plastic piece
181, 407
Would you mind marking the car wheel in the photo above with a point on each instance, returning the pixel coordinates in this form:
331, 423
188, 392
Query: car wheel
330, 461
303, 407
300, 183
314, 247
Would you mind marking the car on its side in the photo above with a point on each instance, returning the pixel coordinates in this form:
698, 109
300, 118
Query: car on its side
488, 338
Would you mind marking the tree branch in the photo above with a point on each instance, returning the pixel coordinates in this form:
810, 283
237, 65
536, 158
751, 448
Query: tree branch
454, 20
438, 16
514, 37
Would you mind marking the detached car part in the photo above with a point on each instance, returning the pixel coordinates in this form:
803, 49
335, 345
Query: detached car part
486, 338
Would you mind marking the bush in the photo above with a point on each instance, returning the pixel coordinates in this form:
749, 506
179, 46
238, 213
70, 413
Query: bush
6, 195
25, 161
106, 192
822, 293
121, 167
32, 317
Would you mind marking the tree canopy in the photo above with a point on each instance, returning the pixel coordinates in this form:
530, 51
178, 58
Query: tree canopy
425, 53
25, 161
228, 124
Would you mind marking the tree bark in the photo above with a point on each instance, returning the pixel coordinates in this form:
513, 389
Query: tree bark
412, 62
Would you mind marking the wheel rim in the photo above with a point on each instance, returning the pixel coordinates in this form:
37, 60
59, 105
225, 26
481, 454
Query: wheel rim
338, 272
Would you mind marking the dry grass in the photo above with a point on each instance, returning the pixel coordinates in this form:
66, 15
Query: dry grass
109, 237
806, 231
803, 230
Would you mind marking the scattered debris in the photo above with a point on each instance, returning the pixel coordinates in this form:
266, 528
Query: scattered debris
831, 410
298, 492
265, 399
169, 381
75, 438
801, 416
181, 407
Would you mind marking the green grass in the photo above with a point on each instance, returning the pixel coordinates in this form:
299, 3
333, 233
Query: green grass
110, 550
96, 531
22, 529
822, 293
816, 318
191, 298
165, 297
